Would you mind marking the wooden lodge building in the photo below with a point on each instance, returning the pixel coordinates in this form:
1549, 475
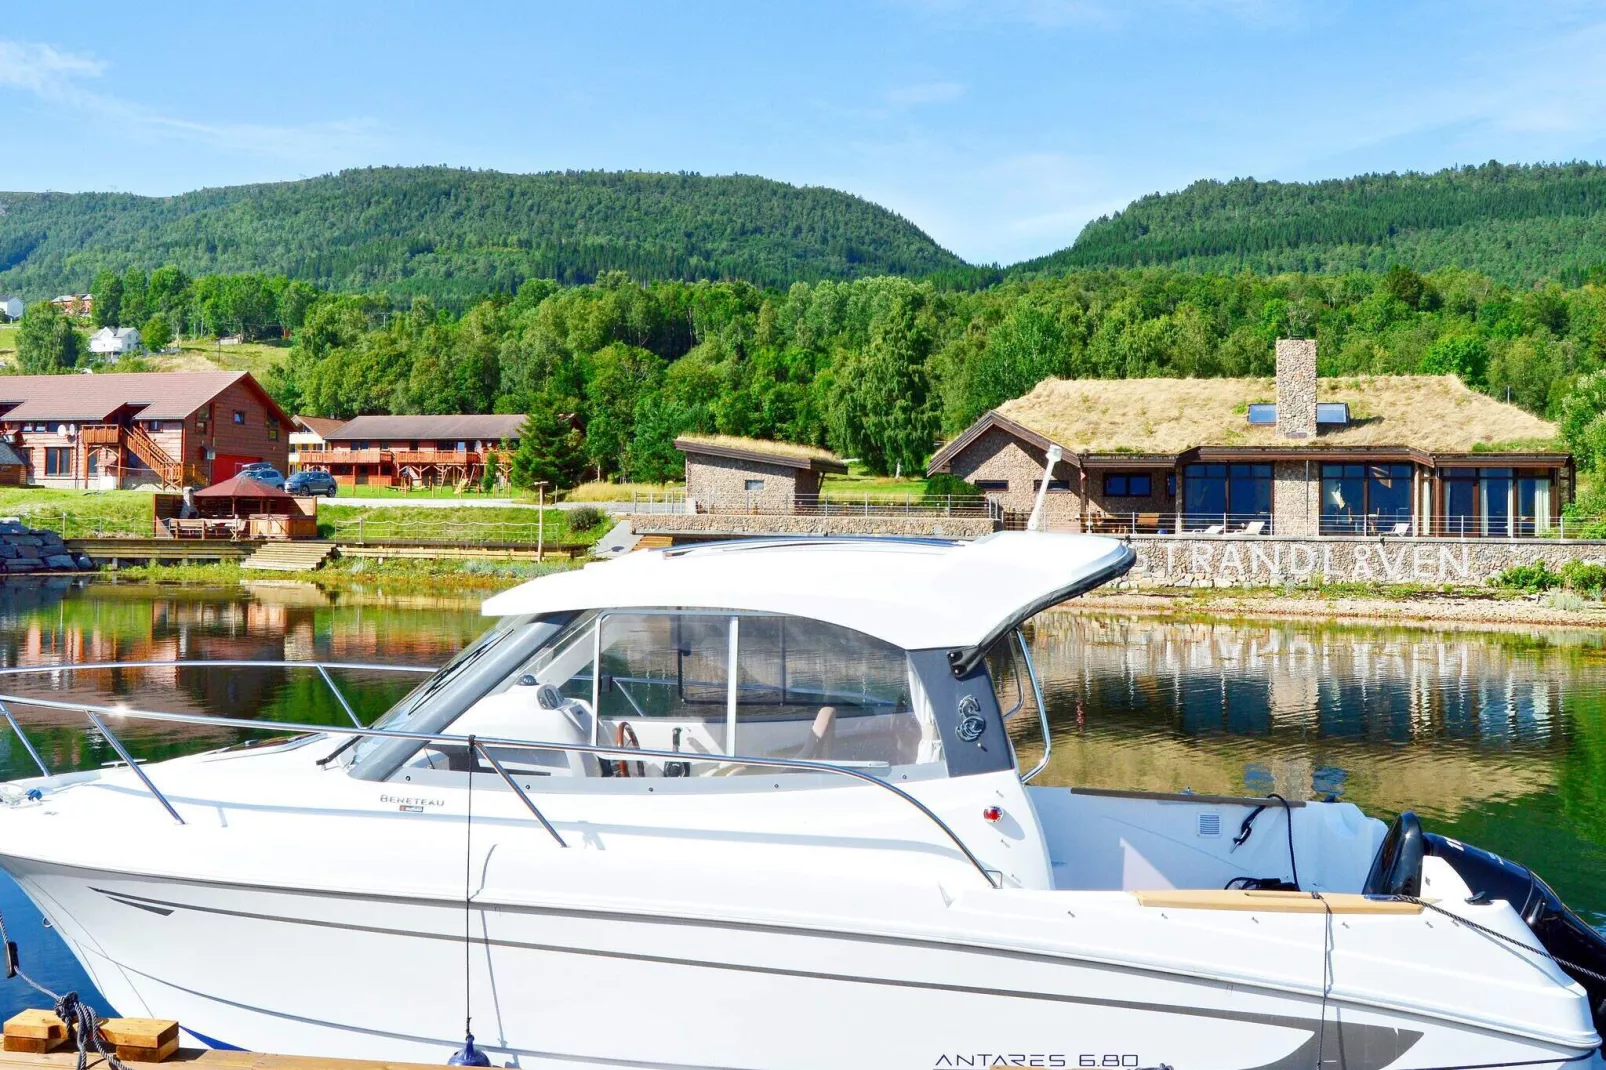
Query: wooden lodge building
166, 429
414, 450
1298, 456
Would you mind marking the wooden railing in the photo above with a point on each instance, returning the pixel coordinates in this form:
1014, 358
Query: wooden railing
171, 471
388, 456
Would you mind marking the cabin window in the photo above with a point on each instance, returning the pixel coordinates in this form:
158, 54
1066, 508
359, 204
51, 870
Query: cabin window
94, 462
753, 485
707, 685
991, 484
1128, 485
239, 416
1496, 502
58, 461
1053, 485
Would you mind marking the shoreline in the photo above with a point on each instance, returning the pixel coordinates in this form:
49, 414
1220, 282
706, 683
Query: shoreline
1468, 609
1462, 608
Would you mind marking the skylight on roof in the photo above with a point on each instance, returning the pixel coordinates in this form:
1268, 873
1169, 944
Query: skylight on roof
1263, 415
1332, 412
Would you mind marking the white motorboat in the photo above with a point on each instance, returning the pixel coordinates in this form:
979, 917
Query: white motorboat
757, 804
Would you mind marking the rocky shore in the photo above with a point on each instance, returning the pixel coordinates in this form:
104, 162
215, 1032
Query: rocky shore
25, 550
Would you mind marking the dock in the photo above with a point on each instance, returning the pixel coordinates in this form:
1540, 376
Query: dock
208, 1059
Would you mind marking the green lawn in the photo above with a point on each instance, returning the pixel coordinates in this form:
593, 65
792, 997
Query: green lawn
858, 483
80, 513
470, 526
375, 490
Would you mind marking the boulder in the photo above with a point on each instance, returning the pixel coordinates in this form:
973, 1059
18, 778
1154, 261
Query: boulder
24, 564
84, 562
7, 550
29, 540
60, 561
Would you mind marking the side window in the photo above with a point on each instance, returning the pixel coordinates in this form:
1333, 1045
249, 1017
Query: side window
663, 681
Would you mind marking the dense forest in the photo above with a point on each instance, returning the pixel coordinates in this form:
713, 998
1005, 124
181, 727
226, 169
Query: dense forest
882, 368
455, 235
1517, 224
879, 369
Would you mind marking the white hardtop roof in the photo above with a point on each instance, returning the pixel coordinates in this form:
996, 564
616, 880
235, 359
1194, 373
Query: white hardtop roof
916, 594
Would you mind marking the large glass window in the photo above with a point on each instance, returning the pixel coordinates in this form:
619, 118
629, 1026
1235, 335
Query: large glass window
1225, 495
1533, 503
58, 460
1489, 502
1366, 499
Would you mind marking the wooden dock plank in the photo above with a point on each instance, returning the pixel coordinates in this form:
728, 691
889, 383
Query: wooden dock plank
211, 1060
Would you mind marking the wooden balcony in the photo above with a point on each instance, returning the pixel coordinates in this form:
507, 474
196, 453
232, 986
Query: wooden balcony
101, 434
321, 458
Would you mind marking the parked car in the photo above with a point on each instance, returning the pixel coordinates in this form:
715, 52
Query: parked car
264, 473
311, 482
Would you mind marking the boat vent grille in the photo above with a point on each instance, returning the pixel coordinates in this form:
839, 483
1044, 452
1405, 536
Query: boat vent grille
1210, 824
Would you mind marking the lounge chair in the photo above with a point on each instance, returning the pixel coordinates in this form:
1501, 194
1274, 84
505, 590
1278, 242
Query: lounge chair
1213, 529
1402, 528
1255, 527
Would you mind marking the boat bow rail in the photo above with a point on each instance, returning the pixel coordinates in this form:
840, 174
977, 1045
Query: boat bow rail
97, 716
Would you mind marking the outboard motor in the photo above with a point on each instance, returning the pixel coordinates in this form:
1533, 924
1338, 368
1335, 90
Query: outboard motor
1560, 931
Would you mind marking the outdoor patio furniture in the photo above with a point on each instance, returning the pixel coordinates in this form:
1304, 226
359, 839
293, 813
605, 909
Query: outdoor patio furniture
1255, 527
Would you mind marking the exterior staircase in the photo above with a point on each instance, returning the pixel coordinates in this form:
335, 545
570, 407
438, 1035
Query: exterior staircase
294, 556
172, 472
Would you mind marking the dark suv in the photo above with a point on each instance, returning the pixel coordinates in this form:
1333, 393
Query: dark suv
311, 482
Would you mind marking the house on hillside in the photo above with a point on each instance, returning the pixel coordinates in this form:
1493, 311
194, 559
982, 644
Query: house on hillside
171, 429
724, 472
75, 304
115, 342
11, 307
309, 433
430, 450
1294, 455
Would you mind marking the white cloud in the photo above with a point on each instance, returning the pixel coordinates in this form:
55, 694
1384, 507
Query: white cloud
926, 93
58, 79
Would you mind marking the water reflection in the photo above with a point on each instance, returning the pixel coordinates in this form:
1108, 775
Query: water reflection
72, 624
1497, 738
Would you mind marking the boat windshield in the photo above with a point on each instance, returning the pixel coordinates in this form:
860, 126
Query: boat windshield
705, 684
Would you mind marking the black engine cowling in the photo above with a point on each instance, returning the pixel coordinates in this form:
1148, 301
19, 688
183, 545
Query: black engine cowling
1560, 931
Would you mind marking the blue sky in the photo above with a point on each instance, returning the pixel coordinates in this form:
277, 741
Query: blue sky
998, 126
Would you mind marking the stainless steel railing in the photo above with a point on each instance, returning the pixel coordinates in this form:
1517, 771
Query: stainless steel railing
479, 744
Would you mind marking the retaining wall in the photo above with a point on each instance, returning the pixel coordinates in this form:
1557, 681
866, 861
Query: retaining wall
706, 525
1228, 561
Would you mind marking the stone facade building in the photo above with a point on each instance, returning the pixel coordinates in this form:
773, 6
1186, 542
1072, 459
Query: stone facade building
1296, 456
725, 473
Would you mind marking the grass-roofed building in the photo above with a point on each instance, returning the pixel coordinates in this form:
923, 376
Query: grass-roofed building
1294, 455
728, 472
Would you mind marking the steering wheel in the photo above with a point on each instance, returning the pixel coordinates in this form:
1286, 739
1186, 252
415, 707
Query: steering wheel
1397, 869
625, 736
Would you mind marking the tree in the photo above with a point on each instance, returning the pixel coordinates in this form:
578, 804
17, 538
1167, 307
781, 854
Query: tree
156, 333
46, 341
1583, 421
106, 295
1465, 356
881, 411
550, 450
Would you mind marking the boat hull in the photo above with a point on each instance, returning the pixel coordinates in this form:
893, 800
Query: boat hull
364, 975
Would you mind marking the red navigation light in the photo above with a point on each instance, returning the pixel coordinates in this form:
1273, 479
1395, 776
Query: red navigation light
992, 813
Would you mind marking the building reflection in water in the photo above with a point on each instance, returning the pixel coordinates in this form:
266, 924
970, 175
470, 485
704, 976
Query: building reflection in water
71, 623
1246, 707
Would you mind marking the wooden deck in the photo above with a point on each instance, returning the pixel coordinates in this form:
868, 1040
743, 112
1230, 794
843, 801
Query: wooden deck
211, 1060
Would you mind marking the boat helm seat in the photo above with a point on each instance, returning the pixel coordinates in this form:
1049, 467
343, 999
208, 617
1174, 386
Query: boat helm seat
1397, 866
821, 735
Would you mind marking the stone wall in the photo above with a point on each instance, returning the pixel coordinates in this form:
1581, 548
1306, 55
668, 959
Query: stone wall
1226, 561
1296, 387
723, 481
703, 525
1296, 499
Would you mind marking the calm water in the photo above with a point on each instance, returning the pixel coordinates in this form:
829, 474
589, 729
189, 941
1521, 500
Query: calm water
1496, 738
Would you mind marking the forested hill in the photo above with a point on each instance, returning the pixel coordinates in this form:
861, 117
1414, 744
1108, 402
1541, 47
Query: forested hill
454, 234
1518, 224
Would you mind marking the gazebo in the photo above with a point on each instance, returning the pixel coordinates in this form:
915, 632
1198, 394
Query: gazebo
241, 507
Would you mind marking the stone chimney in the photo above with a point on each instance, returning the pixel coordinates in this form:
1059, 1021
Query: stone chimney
1296, 387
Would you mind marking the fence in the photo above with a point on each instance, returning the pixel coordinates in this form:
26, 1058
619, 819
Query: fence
822, 505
